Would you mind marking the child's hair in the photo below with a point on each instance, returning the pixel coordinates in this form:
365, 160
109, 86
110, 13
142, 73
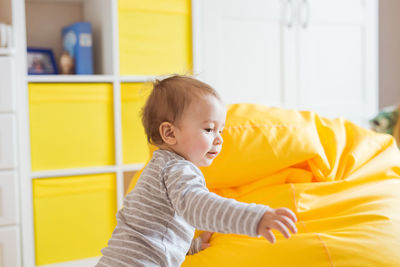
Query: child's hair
168, 100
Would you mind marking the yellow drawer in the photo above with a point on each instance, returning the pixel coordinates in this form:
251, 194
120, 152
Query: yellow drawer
71, 125
73, 216
155, 37
135, 148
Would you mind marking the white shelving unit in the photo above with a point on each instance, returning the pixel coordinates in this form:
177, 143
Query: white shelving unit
10, 220
71, 79
87, 79
38, 24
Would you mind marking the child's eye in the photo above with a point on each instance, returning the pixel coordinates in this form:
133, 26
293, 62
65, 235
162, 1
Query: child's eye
208, 130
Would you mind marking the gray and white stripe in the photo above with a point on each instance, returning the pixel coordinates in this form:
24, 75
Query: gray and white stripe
170, 200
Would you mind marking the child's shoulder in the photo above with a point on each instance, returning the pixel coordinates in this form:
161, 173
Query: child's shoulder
172, 162
166, 157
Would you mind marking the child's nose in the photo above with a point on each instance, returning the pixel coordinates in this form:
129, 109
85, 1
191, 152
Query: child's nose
218, 139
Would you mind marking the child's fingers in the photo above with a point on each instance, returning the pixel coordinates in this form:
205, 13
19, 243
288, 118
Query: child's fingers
205, 236
288, 223
281, 228
287, 212
205, 245
267, 234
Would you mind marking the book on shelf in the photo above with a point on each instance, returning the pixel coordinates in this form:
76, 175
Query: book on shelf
77, 41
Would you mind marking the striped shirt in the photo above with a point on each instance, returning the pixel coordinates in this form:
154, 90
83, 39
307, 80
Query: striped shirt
156, 225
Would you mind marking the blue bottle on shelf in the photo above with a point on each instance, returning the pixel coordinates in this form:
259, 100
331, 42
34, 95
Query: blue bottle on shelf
77, 41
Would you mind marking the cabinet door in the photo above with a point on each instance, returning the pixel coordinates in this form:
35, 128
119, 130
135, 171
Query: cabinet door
6, 78
9, 250
334, 57
241, 49
8, 200
7, 142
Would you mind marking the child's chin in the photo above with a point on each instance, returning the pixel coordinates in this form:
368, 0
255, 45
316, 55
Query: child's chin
205, 164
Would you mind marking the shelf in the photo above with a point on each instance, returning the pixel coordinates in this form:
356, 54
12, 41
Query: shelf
85, 171
7, 51
132, 167
73, 172
89, 78
54, 1
138, 79
70, 78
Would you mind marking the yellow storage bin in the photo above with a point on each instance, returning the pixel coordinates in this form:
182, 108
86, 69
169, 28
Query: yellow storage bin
71, 125
134, 141
155, 37
74, 216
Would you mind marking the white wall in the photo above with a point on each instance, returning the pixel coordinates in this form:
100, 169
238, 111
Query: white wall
389, 53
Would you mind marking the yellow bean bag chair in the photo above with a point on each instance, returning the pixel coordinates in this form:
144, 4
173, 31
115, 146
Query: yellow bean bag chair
341, 180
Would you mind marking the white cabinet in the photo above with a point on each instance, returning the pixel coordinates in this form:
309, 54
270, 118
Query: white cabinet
337, 70
9, 232
318, 55
7, 141
9, 221
6, 79
8, 201
242, 45
9, 247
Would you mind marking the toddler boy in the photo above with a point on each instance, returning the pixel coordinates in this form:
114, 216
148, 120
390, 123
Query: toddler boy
184, 117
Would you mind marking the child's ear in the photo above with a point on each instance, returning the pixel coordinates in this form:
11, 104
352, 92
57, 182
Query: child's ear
167, 132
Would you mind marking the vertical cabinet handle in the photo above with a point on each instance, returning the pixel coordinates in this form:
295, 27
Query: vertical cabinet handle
305, 13
289, 13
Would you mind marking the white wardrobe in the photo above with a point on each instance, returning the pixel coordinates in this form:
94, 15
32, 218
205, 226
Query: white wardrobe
318, 55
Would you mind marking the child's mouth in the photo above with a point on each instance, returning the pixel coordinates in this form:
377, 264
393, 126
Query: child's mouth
212, 154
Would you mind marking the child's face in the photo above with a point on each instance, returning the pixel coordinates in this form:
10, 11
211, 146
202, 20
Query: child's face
198, 135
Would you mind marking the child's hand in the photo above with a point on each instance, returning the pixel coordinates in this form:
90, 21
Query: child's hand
280, 219
205, 239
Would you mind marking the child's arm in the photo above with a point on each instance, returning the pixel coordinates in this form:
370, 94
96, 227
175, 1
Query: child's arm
208, 211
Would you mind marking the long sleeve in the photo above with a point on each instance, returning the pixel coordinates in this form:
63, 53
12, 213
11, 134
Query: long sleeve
205, 210
195, 246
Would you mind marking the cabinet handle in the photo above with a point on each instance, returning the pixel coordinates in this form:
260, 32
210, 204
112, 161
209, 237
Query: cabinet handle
289, 13
305, 13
